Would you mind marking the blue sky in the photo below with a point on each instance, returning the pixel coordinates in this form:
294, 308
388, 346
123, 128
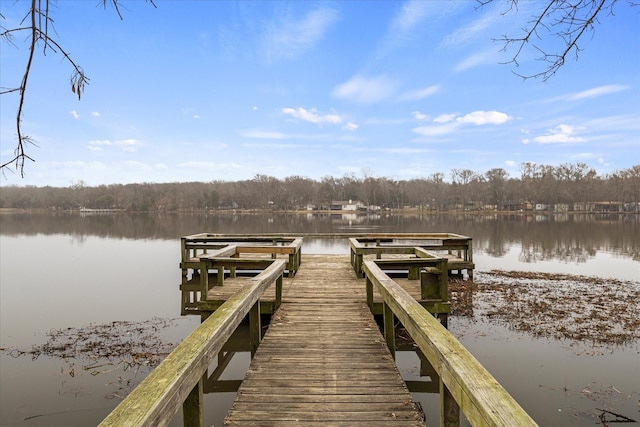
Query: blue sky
216, 90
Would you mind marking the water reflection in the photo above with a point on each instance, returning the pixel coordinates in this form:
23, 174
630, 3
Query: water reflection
64, 270
566, 238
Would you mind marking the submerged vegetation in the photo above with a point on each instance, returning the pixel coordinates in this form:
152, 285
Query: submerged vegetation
598, 312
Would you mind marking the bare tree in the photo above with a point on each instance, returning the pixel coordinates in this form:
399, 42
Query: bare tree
38, 25
566, 20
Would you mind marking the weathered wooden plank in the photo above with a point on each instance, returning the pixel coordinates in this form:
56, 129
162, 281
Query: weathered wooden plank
323, 359
156, 400
483, 400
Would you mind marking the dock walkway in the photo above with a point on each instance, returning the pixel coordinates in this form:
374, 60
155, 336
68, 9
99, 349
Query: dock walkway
323, 360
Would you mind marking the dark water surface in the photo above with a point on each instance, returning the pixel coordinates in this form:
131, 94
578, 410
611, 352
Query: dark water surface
73, 271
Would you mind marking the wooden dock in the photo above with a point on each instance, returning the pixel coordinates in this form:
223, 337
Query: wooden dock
323, 359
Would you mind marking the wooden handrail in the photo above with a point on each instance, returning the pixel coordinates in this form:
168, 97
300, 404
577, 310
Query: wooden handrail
482, 399
155, 401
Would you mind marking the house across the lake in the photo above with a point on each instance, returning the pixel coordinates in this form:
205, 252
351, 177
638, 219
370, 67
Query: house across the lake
347, 205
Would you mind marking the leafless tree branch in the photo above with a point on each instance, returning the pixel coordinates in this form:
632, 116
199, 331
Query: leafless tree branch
567, 20
37, 22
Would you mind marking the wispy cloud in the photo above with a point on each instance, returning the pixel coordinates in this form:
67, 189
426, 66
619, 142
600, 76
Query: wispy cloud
588, 93
289, 37
418, 94
74, 114
598, 91
470, 31
477, 59
350, 126
365, 90
408, 20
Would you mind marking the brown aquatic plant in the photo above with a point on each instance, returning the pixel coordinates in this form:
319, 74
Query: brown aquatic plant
590, 310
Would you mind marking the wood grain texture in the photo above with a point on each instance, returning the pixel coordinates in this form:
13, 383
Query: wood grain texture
323, 359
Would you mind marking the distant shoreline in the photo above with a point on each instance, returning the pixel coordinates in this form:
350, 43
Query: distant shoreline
404, 211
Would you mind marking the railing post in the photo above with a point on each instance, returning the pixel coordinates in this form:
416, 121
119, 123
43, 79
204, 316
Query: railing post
278, 292
389, 328
193, 408
204, 280
255, 329
220, 275
449, 408
369, 287
292, 264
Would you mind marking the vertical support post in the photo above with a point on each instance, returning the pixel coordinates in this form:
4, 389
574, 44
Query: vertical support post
204, 280
389, 328
449, 408
292, 265
193, 408
255, 329
232, 270
183, 249
443, 266
278, 292
359, 265
220, 275
369, 287
429, 285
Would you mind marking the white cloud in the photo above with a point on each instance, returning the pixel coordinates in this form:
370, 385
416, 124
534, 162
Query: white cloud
561, 134
95, 114
510, 163
449, 123
419, 94
484, 117
351, 126
75, 114
444, 118
312, 116
289, 37
598, 91
419, 116
365, 90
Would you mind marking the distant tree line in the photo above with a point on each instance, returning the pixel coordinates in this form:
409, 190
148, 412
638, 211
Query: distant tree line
567, 185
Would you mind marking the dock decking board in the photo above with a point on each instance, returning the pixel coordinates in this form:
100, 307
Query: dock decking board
323, 359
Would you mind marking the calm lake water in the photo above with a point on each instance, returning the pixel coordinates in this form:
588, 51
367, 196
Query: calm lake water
82, 271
